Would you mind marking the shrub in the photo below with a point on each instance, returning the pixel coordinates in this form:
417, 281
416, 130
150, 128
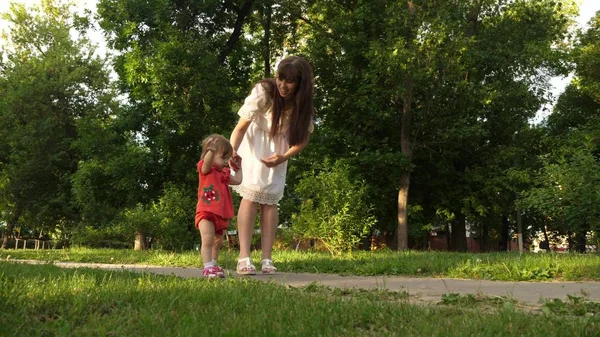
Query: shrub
175, 227
105, 237
334, 207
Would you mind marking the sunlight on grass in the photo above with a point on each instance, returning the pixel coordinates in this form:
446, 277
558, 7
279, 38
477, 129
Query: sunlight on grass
492, 266
44, 300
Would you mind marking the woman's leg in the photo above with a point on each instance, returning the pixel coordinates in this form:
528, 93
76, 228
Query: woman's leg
269, 220
207, 234
245, 224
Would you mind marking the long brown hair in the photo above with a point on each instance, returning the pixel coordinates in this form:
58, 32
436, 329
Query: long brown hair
297, 69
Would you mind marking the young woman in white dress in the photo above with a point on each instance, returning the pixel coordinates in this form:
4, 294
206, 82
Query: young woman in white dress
275, 124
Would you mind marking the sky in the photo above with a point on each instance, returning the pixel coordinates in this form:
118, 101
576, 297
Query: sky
95, 36
587, 9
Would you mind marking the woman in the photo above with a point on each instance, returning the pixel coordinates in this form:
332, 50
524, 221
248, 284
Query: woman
275, 124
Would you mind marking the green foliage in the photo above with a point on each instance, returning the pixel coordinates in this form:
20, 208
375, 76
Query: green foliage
588, 59
574, 305
450, 79
335, 207
462, 77
174, 229
170, 224
520, 272
49, 79
177, 90
567, 191
141, 218
107, 237
356, 294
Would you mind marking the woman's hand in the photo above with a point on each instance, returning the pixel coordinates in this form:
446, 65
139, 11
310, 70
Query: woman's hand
274, 160
235, 162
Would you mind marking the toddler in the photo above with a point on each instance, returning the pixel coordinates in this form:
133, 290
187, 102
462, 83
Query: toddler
215, 207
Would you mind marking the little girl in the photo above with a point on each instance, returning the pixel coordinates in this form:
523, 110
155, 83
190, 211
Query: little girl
215, 207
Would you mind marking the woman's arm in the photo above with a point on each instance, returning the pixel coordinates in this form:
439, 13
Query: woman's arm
237, 135
276, 159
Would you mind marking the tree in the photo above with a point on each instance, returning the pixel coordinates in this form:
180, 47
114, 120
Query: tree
50, 79
567, 194
176, 63
431, 83
566, 188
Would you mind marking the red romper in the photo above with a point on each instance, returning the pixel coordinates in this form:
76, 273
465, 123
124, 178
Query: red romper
214, 198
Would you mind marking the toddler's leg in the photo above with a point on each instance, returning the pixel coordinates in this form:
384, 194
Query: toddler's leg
207, 234
217, 246
215, 254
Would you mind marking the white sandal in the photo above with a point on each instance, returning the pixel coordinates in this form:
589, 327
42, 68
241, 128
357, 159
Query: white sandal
267, 266
245, 267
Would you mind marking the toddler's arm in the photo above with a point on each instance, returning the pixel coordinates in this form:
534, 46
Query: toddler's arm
209, 156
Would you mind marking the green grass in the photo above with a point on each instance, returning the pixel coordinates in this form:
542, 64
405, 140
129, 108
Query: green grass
44, 300
491, 266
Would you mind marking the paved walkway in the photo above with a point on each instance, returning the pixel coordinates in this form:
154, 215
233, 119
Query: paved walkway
421, 290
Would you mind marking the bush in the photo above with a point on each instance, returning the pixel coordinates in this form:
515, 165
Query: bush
170, 224
175, 228
106, 237
334, 207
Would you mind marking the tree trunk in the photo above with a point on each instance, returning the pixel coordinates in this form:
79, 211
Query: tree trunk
406, 148
266, 24
7, 231
405, 143
546, 234
520, 230
365, 242
140, 242
458, 236
580, 240
485, 237
10, 225
504, 245
402, 232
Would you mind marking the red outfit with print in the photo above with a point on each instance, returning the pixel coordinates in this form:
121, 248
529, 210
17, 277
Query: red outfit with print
214, 197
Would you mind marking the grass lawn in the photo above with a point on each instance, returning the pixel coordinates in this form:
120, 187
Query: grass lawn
491, 266
44, 300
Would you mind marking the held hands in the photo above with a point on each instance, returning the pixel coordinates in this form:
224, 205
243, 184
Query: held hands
235, 162
273, 160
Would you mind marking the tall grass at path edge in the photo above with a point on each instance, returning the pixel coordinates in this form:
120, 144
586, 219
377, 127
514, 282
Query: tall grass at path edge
492, 266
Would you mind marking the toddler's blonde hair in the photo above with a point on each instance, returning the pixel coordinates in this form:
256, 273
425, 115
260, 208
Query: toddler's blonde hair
222, 143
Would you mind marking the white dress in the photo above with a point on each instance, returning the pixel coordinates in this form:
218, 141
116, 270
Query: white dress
262, 184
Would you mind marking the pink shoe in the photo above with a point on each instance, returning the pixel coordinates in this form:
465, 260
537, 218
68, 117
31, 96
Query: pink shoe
220, 272
210, 272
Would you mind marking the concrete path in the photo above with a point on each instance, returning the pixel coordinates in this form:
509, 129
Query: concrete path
420, 290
